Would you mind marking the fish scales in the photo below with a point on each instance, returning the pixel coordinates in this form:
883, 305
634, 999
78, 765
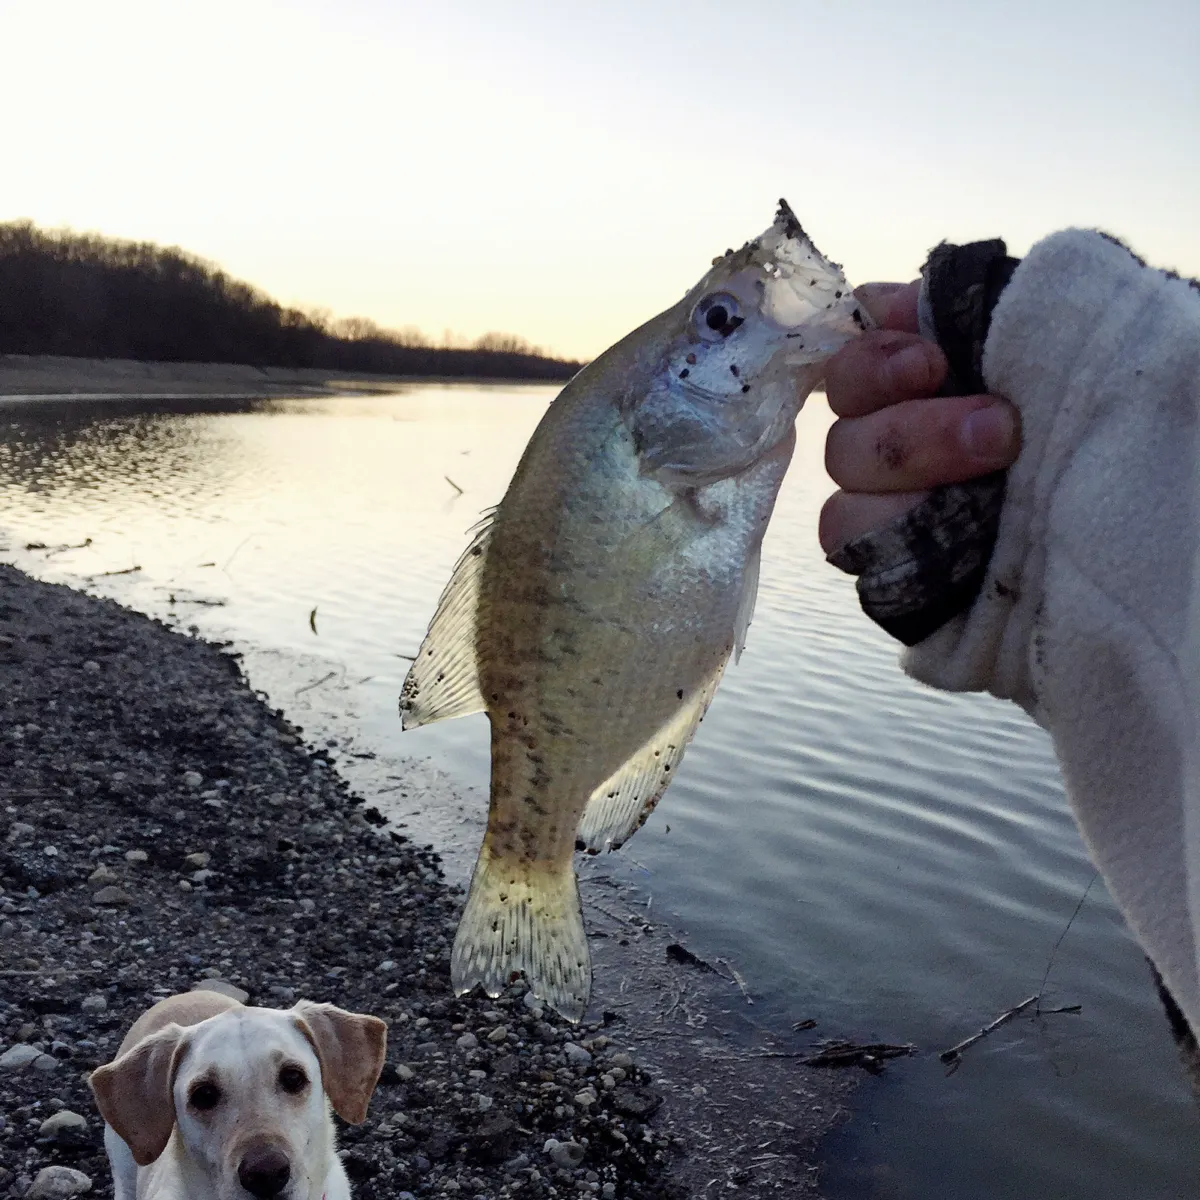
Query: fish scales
593, 615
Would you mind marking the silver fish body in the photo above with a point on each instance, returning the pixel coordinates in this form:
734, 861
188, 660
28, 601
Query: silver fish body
593, 614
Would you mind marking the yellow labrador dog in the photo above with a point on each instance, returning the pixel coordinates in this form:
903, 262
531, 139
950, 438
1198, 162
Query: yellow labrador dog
211, 1100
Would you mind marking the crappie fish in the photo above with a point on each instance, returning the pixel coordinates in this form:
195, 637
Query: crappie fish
593, 613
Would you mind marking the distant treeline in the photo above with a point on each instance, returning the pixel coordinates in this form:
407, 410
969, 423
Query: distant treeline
86, 296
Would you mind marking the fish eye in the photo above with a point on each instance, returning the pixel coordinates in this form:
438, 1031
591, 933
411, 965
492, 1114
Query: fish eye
204, 1096
717, 316
292, 1079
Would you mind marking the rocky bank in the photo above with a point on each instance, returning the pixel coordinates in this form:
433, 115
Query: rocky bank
161, 826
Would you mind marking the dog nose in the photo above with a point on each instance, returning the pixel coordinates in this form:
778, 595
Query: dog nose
264, 1171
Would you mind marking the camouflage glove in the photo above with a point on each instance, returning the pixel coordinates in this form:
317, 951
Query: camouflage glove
928, 565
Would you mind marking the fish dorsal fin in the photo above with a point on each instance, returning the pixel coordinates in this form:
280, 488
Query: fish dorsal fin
746, 605
618, 808
444, 678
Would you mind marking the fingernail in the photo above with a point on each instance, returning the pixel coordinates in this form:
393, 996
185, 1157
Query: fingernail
987, 433
874, 297
908, 369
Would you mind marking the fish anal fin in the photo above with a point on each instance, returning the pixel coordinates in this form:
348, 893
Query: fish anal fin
527, 918
443, 681
619, 807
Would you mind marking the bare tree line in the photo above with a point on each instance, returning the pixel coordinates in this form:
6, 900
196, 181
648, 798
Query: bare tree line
87, 296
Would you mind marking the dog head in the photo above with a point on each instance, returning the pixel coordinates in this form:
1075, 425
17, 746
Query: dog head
248, 1091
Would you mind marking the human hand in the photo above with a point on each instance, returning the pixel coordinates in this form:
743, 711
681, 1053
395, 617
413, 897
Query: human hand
895, 437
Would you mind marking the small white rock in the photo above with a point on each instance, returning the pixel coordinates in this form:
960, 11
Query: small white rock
565, 1154
94, 1003
62, 1125
136, 856
577, 1056
18, 1057
58, 1183
192, 779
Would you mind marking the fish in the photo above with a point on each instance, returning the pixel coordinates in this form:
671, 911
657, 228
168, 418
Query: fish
593, 612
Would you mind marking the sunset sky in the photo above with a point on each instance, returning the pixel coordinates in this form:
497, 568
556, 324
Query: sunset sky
562, 170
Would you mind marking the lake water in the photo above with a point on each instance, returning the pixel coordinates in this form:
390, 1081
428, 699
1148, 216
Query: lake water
893, 863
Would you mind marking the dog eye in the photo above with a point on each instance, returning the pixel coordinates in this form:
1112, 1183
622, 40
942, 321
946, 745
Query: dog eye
204, 1096
292, 1079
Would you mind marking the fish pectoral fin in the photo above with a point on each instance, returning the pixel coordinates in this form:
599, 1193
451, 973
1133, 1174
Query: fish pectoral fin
618, 808
524, 917
444, 678
746, 605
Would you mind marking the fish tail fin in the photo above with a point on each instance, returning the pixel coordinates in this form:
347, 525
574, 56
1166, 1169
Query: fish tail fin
524, 917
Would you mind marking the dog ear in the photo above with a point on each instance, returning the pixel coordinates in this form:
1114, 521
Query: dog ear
350, 1048
133, 1093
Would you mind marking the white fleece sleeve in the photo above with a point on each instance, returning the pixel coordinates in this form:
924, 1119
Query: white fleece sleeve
1089, 616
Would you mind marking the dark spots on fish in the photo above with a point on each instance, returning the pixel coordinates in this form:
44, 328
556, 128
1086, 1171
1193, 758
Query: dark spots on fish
690, 360
666, 769
476, 551
495, 697
812, 283
657, 753
733, 370
580, 844
796, 335
441, 676
786, 219
496, 925
428, 653
532, 802
679, 694
684, 373
503, 897
745, 388
837, 295
858, 318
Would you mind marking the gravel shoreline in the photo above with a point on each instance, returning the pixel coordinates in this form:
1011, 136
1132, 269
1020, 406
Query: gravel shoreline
160, 825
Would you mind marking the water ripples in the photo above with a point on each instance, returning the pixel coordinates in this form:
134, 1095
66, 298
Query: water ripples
888, 860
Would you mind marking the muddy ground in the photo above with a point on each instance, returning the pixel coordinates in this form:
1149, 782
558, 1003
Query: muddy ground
160, 825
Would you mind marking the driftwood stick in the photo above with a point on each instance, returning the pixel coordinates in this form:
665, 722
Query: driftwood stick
955, 1052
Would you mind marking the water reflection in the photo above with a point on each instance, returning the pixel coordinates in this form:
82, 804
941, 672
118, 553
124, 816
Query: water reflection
891, 862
